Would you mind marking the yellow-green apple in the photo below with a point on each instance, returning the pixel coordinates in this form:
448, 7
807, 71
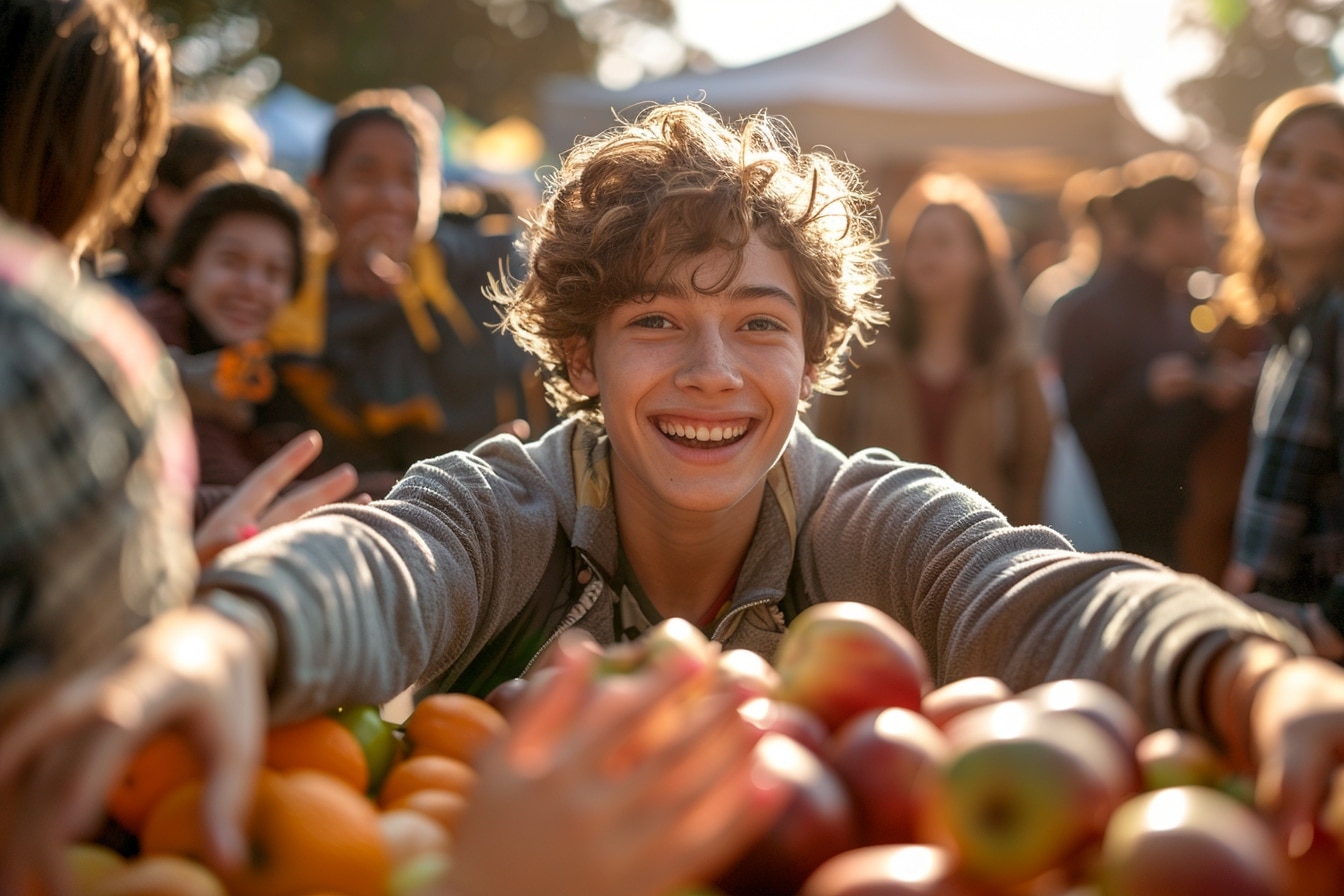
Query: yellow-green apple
747, 673
377, 738
788, 719
424, 875
1185, 840
842, 658
672, 643
160, 876
408, 834
88, 864
815, 824
944, 704
891, 870
892, 761
1028, 789
1172, 757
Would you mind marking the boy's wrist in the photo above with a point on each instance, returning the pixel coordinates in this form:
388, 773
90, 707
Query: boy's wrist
1230, 685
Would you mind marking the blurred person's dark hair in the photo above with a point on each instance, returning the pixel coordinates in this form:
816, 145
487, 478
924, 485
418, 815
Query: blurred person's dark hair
992, 324
1251, 293
84, 87
204, 138
396, 107
1157, 184
217, 203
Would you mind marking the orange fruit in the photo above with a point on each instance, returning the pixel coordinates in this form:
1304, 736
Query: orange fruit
442, 806
320, 744
453, 725
165, 762
426, 773
306, 832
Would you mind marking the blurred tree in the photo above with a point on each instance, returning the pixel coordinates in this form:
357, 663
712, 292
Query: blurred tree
1267, 47
483, 57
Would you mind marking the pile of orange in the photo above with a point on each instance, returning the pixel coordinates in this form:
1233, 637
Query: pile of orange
319, 824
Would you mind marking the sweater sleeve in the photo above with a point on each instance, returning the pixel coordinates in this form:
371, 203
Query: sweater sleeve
368, 600
985, 598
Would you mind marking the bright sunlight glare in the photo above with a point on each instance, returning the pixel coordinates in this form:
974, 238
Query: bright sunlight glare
1130, 47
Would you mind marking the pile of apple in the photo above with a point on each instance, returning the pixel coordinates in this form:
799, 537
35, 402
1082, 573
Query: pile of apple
346, 803
971, 790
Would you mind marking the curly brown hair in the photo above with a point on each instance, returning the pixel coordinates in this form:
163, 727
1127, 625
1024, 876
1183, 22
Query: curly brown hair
626, 206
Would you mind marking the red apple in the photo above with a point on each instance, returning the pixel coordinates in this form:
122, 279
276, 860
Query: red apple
506, 695
904, 870
1102, 705
1093, 699
842, 658
1185, 840
944, 704
1171, 757
816, 823
892, 761
787, 719
1027, 789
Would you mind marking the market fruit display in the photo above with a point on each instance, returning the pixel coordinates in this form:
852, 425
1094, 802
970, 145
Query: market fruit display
346, 803
895, 787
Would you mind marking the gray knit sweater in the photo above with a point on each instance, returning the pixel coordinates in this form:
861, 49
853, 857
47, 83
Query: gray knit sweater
367, 600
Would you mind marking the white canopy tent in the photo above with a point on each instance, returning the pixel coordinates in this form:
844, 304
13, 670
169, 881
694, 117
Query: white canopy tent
890, 95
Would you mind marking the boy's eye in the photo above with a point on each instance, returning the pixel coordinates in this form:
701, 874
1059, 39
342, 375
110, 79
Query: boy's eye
763, 325
653, 322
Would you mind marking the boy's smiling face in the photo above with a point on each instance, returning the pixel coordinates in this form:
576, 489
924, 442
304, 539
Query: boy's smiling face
700, 391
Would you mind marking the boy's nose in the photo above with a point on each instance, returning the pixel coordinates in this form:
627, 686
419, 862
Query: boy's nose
709, 364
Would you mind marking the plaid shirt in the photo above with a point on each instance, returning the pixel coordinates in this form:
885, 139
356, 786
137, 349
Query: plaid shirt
1290, 523
96, 465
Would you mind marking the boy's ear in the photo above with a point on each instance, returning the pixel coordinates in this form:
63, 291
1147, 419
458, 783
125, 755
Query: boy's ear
579, 363
805, 387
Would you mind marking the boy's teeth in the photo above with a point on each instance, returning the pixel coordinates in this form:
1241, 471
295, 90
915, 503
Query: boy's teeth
702, 433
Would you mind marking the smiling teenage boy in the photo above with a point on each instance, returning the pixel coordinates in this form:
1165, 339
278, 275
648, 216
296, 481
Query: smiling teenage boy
689, 284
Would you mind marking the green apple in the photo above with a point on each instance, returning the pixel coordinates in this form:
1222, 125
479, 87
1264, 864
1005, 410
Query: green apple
1172, 757
377, 737
1027, 789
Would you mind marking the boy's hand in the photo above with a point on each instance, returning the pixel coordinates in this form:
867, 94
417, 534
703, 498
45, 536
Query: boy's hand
1297, 725
62, 751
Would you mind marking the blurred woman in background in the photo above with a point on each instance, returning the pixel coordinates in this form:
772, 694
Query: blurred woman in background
1284, 264
949, 383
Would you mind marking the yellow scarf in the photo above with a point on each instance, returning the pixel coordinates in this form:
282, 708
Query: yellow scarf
301, 326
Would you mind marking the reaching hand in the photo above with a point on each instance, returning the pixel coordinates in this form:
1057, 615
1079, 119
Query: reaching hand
62, 750
1297, 722
253, 506
624, 786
